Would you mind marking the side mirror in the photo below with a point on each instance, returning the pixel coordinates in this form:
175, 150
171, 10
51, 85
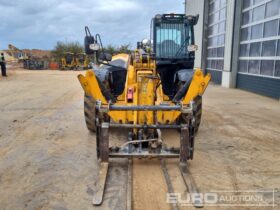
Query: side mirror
193, 20
192, 48
94, 47
105, 56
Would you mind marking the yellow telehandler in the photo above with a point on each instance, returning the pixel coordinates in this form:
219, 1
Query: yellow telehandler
155, 87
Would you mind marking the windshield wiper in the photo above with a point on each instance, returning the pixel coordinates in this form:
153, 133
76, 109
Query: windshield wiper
183, 46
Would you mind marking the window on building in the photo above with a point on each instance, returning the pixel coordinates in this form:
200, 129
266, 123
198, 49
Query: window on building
220, 52
223, 3
278, 48
246, 4
269, 28
268, 48
222, 27
257, 31
216, 5
216, 34
213, 64
244, 50
258, 13
245, 34
267, 67
255, 1
243, 66
260, 38
277, 69
272, 8
220, 64
254, 66
255, 49
246, 17
223, 14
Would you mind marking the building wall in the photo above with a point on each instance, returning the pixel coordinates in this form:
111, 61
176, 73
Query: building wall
246, 52
194, 7
259, 53
260, 41
216, 38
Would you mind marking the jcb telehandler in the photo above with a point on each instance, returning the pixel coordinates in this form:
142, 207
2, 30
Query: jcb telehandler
155, 87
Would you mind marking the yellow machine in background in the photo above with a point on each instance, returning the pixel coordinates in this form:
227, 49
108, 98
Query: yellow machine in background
72, 61
16, 53
153, 88
82, 61
68, 61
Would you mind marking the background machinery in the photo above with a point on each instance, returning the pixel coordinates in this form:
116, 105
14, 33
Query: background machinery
72, 61
82, 61
18, 54
35, 63
145, 92
68, 61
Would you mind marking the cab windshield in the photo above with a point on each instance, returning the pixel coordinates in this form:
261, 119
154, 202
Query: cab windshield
172, 40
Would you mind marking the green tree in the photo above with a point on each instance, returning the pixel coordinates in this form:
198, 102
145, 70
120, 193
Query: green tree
125, 48
113, 50
62, 47
110, 49
75, 47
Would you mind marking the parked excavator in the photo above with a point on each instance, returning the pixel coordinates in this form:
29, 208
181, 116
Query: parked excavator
155, 87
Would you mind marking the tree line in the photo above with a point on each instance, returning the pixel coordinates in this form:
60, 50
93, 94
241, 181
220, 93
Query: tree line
75, 47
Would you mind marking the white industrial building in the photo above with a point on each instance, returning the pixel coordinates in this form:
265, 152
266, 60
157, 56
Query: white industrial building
239, 43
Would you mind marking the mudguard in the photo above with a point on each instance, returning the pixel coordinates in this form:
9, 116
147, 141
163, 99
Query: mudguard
184, 75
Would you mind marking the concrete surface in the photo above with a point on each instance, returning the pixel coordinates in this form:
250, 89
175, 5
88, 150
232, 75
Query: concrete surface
47, 156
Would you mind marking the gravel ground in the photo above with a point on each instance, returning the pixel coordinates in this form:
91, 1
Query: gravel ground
48, 159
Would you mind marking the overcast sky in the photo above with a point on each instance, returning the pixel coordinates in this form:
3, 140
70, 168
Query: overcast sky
41, 23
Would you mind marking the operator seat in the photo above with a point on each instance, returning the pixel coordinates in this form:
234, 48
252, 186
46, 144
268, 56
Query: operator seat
168, 48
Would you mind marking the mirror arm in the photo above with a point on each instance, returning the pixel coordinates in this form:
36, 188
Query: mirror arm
87, 31
97, 36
